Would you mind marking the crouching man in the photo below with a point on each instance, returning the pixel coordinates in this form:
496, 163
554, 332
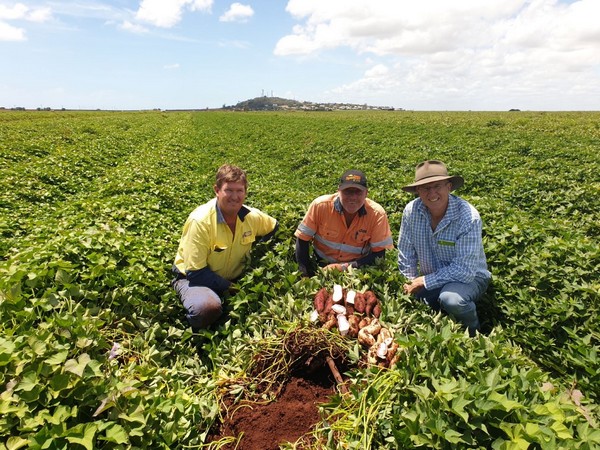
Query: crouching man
440, 248
215, 244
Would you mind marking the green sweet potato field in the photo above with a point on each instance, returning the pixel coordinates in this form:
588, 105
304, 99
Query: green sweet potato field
94, 348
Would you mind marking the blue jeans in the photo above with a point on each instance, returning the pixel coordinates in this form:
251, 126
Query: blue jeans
458, 300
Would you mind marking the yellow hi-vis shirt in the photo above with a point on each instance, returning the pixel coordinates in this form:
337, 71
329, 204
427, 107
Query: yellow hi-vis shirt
208, 241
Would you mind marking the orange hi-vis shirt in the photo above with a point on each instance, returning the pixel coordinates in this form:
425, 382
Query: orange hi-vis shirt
334, 241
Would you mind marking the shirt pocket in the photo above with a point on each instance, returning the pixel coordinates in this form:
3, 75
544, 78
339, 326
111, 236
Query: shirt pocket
248, 238
219, 247
446, 249
217, 259
331, 234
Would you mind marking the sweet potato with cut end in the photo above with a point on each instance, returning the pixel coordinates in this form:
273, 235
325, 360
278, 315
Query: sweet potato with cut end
359, 302
392, 350
320, 300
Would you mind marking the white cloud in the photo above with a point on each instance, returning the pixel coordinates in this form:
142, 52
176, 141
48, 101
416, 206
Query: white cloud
171, 66
168, 13
40, 15
201, 5
237, 12
10, 33
20, 12
133, 27
468, 48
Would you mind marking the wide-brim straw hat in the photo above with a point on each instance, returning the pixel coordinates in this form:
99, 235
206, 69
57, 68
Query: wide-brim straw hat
431, 171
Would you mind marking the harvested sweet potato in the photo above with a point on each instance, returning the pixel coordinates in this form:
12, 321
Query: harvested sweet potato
392, 350
331, 322
372, 355
354, 322
320, 300
376, 310
338, 293
343, 324
359, 302
349, 309
364, 322
350, 297
365, 338
393, 359
328, 304
371, 301
385, 335
373, 328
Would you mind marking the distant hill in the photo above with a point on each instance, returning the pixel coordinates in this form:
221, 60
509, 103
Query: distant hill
266, 103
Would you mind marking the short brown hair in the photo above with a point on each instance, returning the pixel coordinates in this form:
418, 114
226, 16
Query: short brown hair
228, 173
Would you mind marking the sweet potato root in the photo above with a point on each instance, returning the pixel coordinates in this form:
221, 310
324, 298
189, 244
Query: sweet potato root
376, 310
331, 322
359, 302
364, 322
320, 300
354, 322
328, 304
371, 300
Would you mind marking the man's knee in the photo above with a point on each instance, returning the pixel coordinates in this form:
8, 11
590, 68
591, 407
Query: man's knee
203, 306
452, 300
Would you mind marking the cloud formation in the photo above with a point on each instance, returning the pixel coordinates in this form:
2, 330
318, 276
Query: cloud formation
472, 47
237, 12
20, 12
166, 14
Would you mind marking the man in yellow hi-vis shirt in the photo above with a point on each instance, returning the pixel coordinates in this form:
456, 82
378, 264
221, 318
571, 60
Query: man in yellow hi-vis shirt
216, 242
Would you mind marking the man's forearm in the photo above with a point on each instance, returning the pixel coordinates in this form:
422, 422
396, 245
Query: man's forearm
369, 259
208, 278
303, 257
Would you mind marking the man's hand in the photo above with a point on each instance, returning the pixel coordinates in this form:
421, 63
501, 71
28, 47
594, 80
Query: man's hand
414, 286
337, 266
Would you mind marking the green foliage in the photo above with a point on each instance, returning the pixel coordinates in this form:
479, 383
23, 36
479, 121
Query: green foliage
91, 209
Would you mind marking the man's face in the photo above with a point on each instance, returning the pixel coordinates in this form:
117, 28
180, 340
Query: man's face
352, 199
435, 195
230, 198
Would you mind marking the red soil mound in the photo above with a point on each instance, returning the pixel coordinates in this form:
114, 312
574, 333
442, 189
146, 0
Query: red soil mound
265, 426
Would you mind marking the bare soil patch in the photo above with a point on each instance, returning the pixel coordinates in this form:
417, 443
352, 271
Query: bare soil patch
294, 413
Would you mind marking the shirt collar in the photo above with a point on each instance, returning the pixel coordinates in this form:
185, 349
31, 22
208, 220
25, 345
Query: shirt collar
337, 205
243, 212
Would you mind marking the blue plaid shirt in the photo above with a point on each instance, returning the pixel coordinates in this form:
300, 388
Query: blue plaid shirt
451, 253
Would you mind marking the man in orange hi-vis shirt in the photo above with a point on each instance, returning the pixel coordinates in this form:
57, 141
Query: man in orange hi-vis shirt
346, 228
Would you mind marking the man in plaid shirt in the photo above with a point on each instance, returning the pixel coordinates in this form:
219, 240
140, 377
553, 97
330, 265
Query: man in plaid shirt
440, 250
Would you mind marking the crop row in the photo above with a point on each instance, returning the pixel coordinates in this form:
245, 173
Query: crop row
91, 206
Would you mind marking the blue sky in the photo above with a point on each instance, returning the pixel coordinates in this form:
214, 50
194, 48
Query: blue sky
419, 55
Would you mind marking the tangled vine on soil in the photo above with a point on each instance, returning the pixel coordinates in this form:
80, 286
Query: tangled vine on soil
299, 352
